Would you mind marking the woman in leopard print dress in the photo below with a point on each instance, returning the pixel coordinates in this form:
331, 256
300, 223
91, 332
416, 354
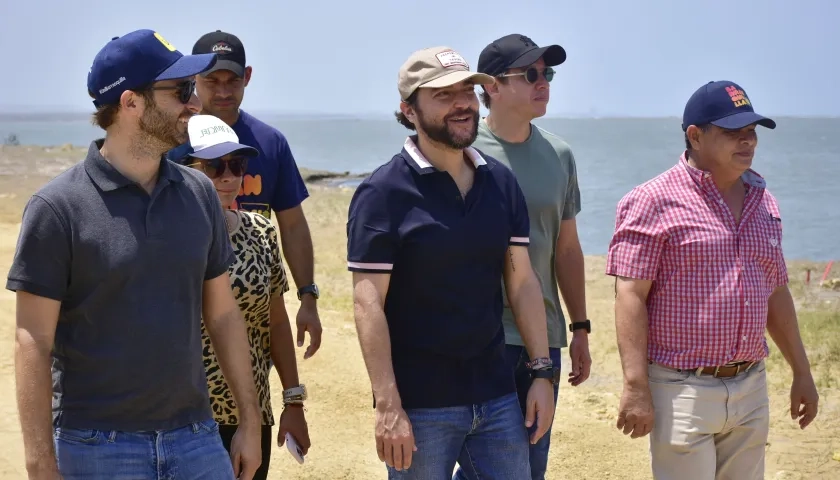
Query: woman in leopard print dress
258, 279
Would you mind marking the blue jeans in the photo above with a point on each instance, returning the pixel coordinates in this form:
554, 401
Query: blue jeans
517, 357
191, 452
488, 440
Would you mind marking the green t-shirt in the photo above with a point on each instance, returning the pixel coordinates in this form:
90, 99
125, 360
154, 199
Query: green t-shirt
545, 169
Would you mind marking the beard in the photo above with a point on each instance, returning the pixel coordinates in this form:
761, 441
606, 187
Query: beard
441, 133
159, 131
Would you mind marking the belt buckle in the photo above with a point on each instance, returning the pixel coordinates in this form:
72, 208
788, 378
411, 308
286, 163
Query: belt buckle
717, 369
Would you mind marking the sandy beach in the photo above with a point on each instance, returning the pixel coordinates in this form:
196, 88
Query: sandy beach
585, 444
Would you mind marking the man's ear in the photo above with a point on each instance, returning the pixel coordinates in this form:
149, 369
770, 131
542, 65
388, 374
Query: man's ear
409, 112
132, 103
492, 88
248, 71
694, 134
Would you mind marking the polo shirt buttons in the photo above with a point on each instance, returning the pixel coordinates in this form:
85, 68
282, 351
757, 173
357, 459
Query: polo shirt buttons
774, 242
747, 303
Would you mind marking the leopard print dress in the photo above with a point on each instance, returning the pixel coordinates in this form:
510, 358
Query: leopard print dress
257, 275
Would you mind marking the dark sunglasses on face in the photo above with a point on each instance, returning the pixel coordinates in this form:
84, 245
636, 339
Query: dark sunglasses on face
184, 90
532, 74
215, 168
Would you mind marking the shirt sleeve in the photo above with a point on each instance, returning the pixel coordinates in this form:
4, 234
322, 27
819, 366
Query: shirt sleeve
639, 238
220, 255
520, 224
371, 245
279, 280
572, 206
290, 190
781, 265
41, 264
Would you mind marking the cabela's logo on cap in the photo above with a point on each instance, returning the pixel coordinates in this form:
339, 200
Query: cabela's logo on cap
738, 97
222, 48
450, 58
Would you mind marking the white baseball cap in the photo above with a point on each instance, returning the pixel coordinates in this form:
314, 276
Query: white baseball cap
210, 137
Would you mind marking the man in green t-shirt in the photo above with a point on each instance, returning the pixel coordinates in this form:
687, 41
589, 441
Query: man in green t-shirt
545, 168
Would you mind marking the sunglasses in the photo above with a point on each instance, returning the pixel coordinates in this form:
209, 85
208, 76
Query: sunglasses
215, 168
532, 74
184, 90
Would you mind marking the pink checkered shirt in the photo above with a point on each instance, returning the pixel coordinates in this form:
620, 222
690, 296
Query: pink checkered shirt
711, 278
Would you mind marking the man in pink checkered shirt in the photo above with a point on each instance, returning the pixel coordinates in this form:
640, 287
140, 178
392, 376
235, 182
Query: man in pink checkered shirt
700, 273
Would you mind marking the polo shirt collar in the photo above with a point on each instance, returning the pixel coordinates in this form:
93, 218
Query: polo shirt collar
108, 178
418, 161
701, 177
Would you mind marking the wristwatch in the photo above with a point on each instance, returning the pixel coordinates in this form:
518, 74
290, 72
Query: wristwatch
581, 326
546, 373
311, 289
295, 395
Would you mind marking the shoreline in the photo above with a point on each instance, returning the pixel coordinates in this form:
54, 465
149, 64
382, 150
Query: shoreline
48, 161
25, 167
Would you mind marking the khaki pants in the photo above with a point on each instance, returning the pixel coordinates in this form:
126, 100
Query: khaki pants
708, 428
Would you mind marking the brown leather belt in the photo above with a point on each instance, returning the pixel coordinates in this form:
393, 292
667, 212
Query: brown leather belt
729, 370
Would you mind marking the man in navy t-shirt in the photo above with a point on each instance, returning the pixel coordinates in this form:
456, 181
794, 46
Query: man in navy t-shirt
272, 181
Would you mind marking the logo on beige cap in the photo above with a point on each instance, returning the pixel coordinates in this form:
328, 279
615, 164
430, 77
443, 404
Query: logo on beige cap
451, 58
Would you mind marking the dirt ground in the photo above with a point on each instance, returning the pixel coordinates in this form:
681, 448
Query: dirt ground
585, 443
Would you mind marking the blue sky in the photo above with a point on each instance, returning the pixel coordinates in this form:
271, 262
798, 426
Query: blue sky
625, 58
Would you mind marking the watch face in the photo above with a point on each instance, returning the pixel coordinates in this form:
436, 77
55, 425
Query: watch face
313, 289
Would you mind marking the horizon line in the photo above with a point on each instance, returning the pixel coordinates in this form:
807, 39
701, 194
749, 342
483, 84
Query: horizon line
294, 113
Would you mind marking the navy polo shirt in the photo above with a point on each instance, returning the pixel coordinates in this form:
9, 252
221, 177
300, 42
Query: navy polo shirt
129, 269
445, 255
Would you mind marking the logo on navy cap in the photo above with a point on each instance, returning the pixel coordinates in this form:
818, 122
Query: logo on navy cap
222, 48
739, 98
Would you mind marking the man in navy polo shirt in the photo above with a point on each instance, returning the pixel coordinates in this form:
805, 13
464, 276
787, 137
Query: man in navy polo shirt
118, 260
272, 180
429, 235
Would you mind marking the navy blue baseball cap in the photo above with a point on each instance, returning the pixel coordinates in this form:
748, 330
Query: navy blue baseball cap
724, 104
137, 59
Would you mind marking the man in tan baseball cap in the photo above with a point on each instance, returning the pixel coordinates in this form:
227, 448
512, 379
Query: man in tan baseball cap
432, 231
449, 116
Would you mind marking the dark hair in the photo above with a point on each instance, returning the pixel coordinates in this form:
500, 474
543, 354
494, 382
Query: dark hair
401, 118
106, 115
704, 128
485, 97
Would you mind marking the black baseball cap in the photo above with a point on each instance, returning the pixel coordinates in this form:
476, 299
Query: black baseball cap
516, 51
228, 49
724, 104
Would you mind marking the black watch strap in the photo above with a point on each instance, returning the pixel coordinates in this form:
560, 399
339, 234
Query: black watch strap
311, 289
581, 326
546, 373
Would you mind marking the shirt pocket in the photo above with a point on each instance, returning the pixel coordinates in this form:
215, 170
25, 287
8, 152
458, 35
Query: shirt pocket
762, 242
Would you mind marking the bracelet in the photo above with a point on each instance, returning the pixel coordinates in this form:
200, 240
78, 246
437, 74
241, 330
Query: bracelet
539, 363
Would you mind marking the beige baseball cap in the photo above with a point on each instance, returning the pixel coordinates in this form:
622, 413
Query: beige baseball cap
436, 67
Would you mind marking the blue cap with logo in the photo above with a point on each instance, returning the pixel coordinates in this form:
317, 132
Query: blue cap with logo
138, 59
724, 104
